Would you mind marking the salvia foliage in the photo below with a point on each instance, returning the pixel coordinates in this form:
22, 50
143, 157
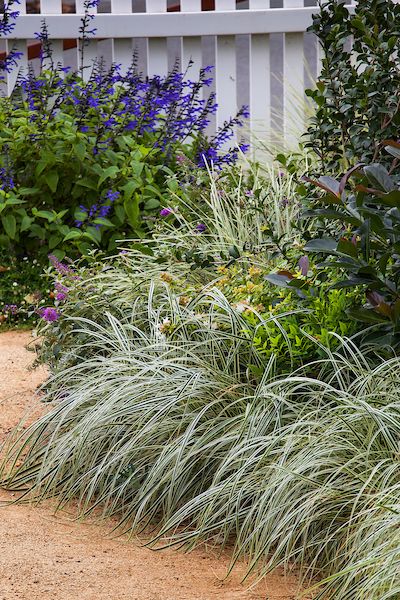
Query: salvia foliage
85, 157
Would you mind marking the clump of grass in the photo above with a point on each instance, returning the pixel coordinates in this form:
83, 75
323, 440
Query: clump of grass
172, 429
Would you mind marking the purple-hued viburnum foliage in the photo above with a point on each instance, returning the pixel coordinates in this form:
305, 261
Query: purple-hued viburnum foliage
304, 265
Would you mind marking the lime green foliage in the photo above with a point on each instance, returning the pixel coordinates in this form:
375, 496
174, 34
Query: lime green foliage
285, 323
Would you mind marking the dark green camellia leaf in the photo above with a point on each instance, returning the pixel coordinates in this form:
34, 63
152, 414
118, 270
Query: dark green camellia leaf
391, 199
325, 245
366, 315
392, 147
234, 252
347, 247
379, 177
330, 213
328, 184
276, 279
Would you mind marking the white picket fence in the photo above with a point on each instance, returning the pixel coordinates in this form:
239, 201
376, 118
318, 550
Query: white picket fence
262, 55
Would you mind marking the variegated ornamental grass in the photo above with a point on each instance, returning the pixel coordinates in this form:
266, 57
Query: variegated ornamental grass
177, 434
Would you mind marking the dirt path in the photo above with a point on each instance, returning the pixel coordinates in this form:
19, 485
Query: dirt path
43, 556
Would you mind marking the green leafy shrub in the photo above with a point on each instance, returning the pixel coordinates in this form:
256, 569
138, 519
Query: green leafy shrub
356, 96
85, 157
291, 316
63, 191
367, 250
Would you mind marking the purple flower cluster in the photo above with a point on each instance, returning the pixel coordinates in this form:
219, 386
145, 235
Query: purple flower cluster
61, 291
59, 266
49, 314
97, 211
162, 112
165, 212
11, 308
6, 180
7, 26
212, 154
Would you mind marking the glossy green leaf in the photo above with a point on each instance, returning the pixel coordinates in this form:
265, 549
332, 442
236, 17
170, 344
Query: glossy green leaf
52, 179
10, 225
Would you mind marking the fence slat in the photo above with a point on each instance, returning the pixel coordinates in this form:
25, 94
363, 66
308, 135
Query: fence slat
157, 51
260, 79
122, 48
51, 7
156, 6
260, 85
221, 5
293, 81
22, 7
190, 5
259, 4
191, 45
121, 6
225, 69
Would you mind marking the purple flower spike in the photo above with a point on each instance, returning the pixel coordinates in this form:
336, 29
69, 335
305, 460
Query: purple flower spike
11, 308
304, 265
49, 314
165, 212
200, 228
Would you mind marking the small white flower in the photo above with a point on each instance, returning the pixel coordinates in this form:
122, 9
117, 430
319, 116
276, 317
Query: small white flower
241, 307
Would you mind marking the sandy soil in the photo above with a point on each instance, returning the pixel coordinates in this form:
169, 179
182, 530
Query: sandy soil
43, 556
